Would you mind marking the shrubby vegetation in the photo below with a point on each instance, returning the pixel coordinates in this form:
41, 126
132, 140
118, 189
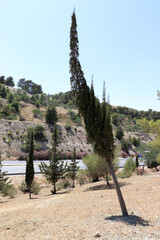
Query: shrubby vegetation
128, 169
132, 113
64, 99
35, 187
6, 188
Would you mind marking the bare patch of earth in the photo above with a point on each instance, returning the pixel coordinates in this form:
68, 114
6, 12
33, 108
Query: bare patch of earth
79, 213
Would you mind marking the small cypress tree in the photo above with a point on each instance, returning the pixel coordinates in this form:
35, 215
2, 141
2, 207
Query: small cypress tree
6, 187
73, 168
29, 167
55, 170
3, 178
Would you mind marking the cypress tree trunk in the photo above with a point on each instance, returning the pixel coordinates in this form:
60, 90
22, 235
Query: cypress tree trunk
54, 188
30, 193
107, 179
118, 190
73, 184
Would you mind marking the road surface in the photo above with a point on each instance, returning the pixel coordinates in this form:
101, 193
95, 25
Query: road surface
19, 167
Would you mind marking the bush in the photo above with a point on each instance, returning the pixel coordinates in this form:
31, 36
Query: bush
75, 117
63, 184
136, 142
125, 145
119, 133
128, 169
96, 166
51, 115
82, 177
35, 188
38, 132
68, 127
37, 113
9, 190
21, 118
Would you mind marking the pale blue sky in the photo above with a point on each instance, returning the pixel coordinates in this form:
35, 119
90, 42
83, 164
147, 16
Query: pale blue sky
119, 42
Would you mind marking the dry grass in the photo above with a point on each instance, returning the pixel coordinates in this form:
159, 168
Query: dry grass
79, 214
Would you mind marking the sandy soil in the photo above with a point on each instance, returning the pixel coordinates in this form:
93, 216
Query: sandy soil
81, 212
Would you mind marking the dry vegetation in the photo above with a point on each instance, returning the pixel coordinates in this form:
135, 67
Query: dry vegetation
79, 213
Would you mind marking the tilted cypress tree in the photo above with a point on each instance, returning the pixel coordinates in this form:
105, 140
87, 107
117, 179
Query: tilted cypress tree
55, 170
96, 116
29, 167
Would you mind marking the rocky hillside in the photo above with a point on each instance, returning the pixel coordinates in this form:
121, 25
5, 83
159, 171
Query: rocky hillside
14, 125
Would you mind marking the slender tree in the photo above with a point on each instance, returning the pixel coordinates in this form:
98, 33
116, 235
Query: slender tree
98, 127
55, 170
29, 167
73, 168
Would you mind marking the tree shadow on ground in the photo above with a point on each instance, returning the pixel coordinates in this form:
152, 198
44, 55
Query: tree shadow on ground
130, 220
104, 187
59, 192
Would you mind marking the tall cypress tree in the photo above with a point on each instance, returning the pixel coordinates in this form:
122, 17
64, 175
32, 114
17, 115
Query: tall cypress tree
96, 116
29, 167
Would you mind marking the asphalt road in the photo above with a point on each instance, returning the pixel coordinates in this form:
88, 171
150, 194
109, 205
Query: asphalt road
19, 167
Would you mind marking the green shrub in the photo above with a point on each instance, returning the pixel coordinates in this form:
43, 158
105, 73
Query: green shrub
128, 169
82, 177
35, 188
21, 118
9, 190
63, 184
96, 166
68, 127
75, 117
119, 133
37, 113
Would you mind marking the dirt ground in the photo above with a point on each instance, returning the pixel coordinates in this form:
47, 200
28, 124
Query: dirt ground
82, 212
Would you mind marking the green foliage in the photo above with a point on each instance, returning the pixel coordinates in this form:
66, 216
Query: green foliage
29, 167
10, 97
96, 116
132, 113
83, 177
6, 188
3, 91
35, 187
152, 157
37, 113
97, 166
63, 183
136, 141
51, 115
117, 118
119, 133
125, 144
29, 86
9, 82
72, 168
15, 105
68, 127
38, 134
75, 117
128, 169
21, 118
55, 170
37, 104
65, 99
